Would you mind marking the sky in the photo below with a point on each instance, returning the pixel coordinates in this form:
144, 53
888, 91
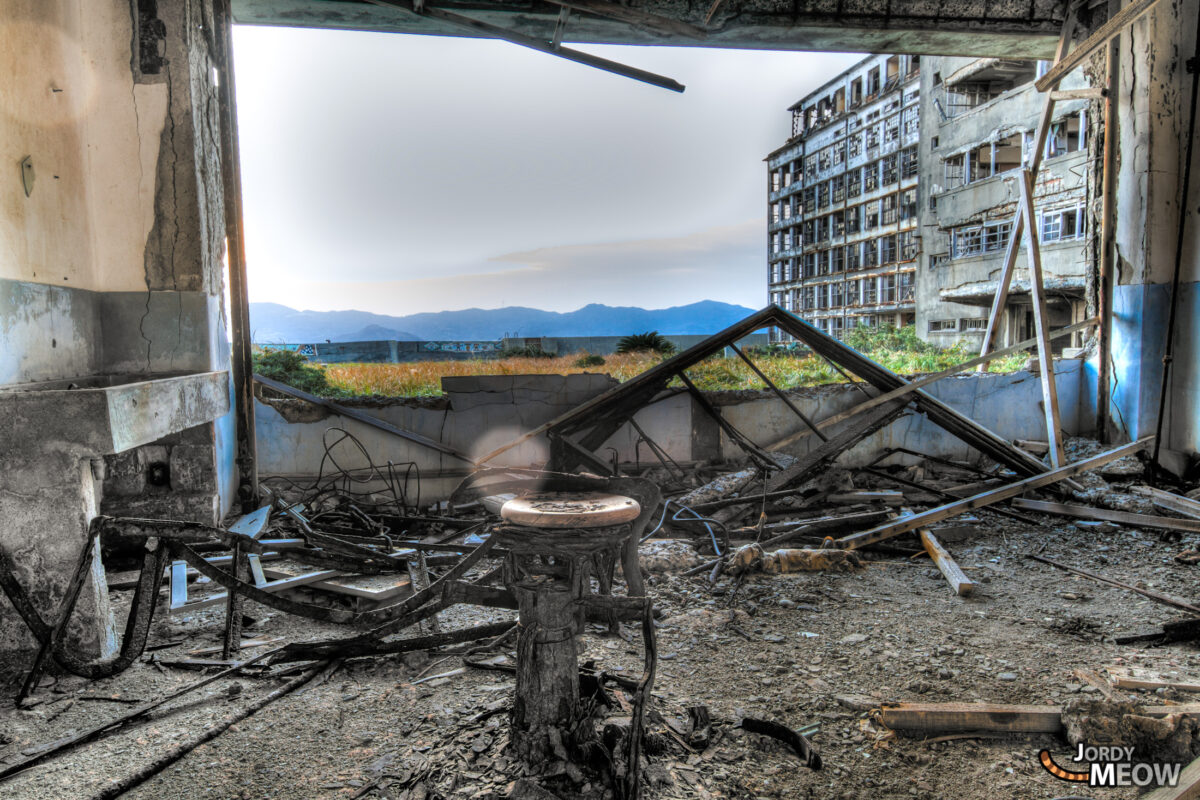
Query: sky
399, 174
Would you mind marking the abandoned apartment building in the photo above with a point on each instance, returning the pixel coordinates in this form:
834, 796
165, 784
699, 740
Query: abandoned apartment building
892, 201
565, 586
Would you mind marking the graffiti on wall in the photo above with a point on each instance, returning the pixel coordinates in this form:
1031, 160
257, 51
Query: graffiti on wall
460, 347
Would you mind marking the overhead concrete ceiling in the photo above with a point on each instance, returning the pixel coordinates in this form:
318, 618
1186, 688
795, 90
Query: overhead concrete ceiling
1007, 28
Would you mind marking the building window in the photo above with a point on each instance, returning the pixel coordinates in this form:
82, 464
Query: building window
939, 260
837, 225
853, 219
838, 259
872, 83
853, 257
908, 287
1062, 224
943, 325
908, 204
810, 265
837, 188
870, 175
967, 95
955, 175
887, 249
810, 200
871, 290
973, 240
891, 171
853, 183
888, 289
855, 145
974, 324
907, 242
909, 165
853, 297
823, 195
890, 209
870, 256
871, 216
836, 294
1068, 135
910, 122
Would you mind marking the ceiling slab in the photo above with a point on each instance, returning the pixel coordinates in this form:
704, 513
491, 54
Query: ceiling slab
1008, 28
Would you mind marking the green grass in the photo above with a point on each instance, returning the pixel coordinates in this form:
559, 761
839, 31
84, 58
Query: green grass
897, 349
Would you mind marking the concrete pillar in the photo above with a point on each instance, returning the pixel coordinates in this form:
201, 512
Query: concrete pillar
1153, 108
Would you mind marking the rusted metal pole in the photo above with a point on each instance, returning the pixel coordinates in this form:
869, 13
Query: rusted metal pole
235, 248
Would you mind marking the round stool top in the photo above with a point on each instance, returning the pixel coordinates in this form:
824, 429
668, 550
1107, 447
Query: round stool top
570, 510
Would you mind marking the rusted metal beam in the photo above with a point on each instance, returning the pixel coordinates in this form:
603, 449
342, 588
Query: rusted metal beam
490, 31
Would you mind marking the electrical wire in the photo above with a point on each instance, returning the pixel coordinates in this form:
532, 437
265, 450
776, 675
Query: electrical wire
708, 522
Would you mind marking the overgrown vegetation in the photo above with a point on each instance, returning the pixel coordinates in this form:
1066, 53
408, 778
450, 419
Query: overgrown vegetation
589, 360
649, 342
287, 366
787, 366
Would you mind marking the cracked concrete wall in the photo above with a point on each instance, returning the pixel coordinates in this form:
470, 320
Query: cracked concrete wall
483, 413
126, 199
1153, 108
111, 263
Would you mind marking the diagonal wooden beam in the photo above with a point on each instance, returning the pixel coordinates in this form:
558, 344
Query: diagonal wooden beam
1113, 27
1041, 322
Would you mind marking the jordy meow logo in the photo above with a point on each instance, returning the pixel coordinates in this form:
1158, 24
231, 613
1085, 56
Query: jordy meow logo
1113, 766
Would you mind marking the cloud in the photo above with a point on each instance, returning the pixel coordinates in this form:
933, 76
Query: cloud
724, 263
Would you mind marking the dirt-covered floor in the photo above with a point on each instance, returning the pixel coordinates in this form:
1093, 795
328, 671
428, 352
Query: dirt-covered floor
802, 649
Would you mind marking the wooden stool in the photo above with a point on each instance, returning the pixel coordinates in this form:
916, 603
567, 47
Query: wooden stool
556, 541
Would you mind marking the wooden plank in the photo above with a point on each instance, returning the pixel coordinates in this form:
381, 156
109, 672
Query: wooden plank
1170, 501
1113, 27
1092, 93
1186, 788
917, 383
948, 510
1041, 322
256, 569
1133, 678
1107, 515
1029, 446
366, 419
253, 524
932, 718
959, 582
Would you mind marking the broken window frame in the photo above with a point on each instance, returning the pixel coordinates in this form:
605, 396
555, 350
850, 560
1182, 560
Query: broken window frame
1062, 224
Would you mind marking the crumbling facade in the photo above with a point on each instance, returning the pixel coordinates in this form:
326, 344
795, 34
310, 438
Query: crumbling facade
842, 223
978, 127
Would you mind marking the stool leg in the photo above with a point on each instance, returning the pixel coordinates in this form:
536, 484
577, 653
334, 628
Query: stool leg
545, 716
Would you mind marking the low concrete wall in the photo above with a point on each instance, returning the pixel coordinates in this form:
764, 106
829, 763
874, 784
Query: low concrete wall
480, 414
398, 352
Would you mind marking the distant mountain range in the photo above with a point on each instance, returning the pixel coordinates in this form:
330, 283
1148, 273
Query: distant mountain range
272, 323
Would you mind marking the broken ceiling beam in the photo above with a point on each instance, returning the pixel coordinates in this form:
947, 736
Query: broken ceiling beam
1093, 93
958, 580
635, 17
359, 416
1108, 515
906, 524
778, 392
1110, 29
925, 380
490, 31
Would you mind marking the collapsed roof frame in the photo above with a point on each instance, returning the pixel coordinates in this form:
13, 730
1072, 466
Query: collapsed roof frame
575, 436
